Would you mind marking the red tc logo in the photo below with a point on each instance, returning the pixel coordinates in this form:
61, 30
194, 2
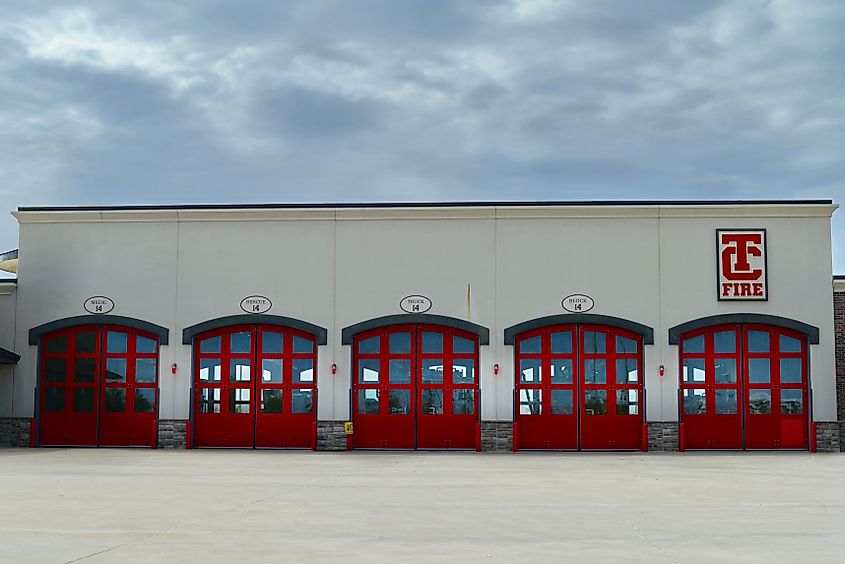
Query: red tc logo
738, 247
742, 264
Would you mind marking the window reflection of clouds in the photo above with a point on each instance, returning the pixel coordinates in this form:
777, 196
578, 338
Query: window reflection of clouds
463, 402
240, 370
529, 371
694, 370
210, 400
368, 371
303, 370
530, 402
301, 400
463, 371
432, 371
210, 370
694, 401
432, 402
271, 370
368, 402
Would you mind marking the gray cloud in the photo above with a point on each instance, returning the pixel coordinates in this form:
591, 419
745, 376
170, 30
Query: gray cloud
156, 102
303, 113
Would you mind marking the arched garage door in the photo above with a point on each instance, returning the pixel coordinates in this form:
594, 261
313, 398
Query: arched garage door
744, 386
255, 386
415, 386
578, 387
98, 386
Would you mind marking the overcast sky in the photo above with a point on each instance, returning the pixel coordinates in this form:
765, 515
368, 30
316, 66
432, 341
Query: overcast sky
109, 102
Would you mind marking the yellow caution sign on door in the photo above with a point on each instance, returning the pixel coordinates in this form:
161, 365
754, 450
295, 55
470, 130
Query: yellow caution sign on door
347, 427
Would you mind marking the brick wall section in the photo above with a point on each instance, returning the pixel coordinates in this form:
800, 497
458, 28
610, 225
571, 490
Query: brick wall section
827, 436
839, 330
842, 436
15, 431
331, 435
171, 433
497, 436
663, 436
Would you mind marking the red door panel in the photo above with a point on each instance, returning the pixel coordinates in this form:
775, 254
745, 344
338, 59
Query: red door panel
447, 390
547, 391
596, 392
384, 405
98, 387
285, 411
761, 419
612, 394
415, 386
578, 387
776, 394
211, 378
255, 387
68, 410
744, 387
116, 393
711, 388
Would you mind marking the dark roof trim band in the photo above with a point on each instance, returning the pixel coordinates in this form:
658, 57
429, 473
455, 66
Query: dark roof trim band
188, 333
416, 319
580, 318
163, 333
409, 205
8, 357
811, 331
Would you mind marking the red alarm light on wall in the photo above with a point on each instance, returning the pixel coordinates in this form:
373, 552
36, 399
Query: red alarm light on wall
173, 369
662, 370
334, 369
496, 369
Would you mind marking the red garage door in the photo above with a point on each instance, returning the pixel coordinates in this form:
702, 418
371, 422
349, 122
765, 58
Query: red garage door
744, 386
578, 387
255, 386
98, 387
416, 386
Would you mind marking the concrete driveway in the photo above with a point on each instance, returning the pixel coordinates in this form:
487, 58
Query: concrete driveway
104, 505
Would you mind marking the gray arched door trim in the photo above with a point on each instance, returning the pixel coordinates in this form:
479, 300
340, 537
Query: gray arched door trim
579, 319
188, 333
416, 319
811, 331
163, 333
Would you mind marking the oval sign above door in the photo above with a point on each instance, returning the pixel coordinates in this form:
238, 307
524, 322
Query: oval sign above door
415, 304
256, 304
98, 305
577, 303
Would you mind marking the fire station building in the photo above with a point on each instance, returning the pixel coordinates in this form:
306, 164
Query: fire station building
500, 326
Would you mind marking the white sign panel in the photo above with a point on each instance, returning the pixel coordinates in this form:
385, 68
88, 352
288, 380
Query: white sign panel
256, 304
415, 304
577, 303
741, 263
98, 305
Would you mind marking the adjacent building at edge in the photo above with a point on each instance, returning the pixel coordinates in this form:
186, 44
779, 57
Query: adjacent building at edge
480, 326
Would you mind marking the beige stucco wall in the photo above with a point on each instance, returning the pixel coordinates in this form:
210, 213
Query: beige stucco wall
8, 297
336, 267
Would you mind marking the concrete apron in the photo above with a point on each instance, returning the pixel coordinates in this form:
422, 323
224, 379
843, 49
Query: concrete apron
112, 505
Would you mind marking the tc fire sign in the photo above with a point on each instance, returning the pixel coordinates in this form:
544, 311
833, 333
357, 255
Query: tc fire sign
742, 264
